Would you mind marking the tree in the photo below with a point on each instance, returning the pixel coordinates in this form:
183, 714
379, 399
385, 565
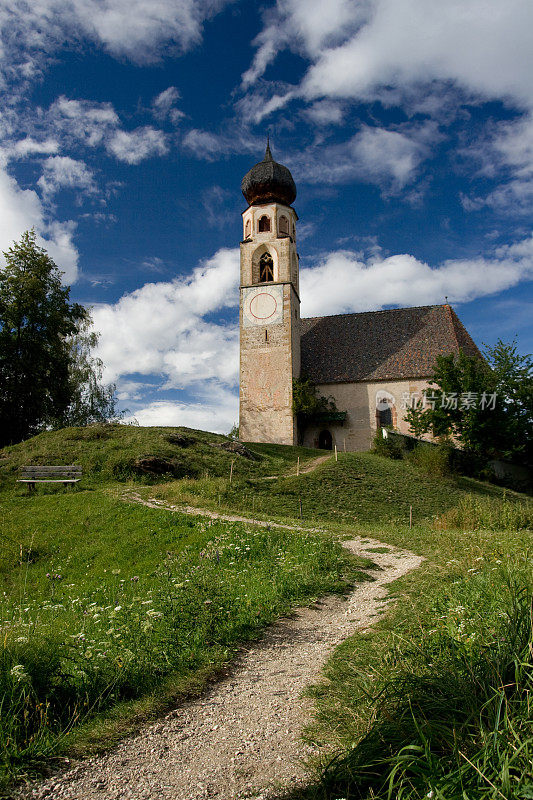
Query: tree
486, 405
91, 401
41, 367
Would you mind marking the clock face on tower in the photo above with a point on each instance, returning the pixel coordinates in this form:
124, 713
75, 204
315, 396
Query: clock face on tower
262, 305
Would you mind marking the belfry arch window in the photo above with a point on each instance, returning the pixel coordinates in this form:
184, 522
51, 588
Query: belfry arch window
264, 224
247, 229
266, 268
284, 225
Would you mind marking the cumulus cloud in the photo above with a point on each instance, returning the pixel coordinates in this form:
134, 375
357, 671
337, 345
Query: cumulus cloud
62, 172
212, 407
343, 283
20, 210
134, 146
389, 49
162, 328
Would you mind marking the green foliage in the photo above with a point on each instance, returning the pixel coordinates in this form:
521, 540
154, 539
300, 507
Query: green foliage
389, 446
90, 401
485, 432
47, 375
434, 460
308, 405
36, 320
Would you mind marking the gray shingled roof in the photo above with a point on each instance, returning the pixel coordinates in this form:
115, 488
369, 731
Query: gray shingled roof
381, 345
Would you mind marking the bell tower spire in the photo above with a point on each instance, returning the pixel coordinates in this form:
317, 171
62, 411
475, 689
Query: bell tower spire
269, 305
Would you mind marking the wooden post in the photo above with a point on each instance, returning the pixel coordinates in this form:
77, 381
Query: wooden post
231, 472
300, 504
410, 516
298, 466
336, 455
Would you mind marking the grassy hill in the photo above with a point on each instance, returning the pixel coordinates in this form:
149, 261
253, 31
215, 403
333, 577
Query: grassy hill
111, 609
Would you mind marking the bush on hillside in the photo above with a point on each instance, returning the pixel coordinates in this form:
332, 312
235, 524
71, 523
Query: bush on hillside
434, 460
389, 447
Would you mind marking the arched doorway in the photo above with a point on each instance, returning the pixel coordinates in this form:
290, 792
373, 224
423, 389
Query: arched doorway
325, 440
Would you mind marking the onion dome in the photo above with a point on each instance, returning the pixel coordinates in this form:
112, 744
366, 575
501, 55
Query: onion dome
268, 182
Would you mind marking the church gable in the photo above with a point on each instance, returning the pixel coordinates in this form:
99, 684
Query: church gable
388, 345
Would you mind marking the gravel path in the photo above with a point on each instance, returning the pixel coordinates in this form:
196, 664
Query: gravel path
241, 738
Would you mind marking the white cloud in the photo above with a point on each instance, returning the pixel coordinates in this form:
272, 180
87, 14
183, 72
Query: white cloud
343, 283
163, 105
388, 158
29, 147
203, 144
20, 210
507, 154
305, 25
397, 51
62, 172
82, 120
161, 327
483, 46
325, 112
214, 408
134, 146
133, 29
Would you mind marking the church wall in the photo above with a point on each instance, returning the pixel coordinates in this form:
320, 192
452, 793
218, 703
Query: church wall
359, 401
267, 364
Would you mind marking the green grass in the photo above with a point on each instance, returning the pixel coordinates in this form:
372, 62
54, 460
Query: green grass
360, 488
111, 610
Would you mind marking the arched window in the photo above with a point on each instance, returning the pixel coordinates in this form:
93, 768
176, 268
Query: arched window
264, 224
284, 225
266, 268
247, 229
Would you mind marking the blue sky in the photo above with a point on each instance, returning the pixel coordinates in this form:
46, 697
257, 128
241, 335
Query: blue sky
126, 128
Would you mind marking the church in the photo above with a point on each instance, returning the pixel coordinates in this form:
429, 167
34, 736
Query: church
374, 365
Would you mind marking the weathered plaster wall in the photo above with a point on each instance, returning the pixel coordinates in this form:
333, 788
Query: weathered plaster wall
359, 401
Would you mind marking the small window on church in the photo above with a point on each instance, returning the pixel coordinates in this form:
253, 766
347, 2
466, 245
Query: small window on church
248, 229
264, 224
284, 225
266, 268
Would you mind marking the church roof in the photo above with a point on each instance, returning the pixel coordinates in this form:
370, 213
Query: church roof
381, 345
268, 182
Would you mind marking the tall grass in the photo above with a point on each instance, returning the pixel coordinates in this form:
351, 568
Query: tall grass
452, 719
474, 513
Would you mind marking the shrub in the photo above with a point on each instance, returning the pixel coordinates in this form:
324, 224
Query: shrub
389, 447
434, 460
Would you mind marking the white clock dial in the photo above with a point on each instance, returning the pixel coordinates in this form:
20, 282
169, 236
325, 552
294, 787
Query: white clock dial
263, 305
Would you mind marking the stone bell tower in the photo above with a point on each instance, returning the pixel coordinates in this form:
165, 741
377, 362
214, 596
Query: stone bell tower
269, 305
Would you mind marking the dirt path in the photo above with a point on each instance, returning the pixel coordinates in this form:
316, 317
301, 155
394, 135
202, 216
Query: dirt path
241, 738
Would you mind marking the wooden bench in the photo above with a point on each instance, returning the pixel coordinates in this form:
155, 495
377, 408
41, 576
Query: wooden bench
65, 475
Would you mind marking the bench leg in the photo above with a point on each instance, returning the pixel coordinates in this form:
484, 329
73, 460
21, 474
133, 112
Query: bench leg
31, 488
